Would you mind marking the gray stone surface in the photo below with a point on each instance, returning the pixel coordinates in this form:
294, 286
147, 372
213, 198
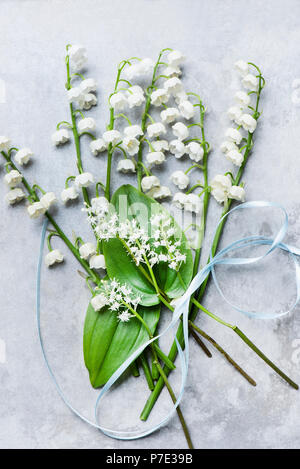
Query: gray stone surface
221, 409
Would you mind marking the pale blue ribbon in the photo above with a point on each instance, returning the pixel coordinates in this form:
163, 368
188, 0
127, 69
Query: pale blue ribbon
182, 310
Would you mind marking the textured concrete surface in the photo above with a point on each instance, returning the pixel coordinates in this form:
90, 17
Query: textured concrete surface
222, 410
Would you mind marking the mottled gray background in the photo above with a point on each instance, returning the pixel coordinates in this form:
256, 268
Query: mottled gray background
222, 410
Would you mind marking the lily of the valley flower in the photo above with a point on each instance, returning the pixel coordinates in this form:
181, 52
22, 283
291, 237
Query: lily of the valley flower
188, 202
48, 199
87, 124
169, 115
242, 67
87, 250
177, 148
228, 146
4, 143
13, 178
54, 257
175, 58
186, 108
234, 135
36, 209
172, 71
118, 101
180, 179
135, 96
100, 205
155, 157
77, 56
160, 145
148, 182
98, 146
237, 193
159, 193
173, 86
133, 131
84, 180
97, 261
131, 145
14, 196
60, 137
88, 85
180, 131
70, 193
235, 113
249, 123
195, 151
73, 94
112, 136
250, 82
23, 156
156, 129
159, 97
126, 166
220, 187
87, 100
235, 156
242, 99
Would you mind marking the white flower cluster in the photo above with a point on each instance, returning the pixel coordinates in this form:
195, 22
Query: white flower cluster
36, 209
83, 94
88, 252
116, 297
222, 189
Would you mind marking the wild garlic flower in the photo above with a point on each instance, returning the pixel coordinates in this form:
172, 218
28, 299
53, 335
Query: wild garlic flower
131, 145
180, 131
149, 182
36, 209
159, 97
186, 108
175, 58
97, 261
234, 135
23, 156
248, 123
159, 193
4, 143
250, 82
118, 101
195, 151
156, 129
84, 180
70, 193
169, 115
87, 250
237, 193
48, 199
60, 137
13, 178
116, 297
112, 136
173, 86
155, 157
133, 131
126, 166
242, 99
160, 145
87, 124
53, 257
98, 146
177, 148
242, 67
220, 187
14, 196
180, 179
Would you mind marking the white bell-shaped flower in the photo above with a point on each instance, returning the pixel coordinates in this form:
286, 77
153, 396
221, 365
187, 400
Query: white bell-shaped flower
159, 193
98, 302
126, 166
54, 257
48, 199
112, 136
234, 135
87, 124
159, 97
60, 137
180, 179
88, 85
179, 199
175, 58
149, 182
237, 193
235, 113
172, 72
70, 193
160, 145
131, 145
242, 99
156, 129
186, 108
135, 96
97, 261
242, 67
87, 250
4, 143
100, 205
87, 100
133, 131
180, 131
146, 65
77, 55
193, 203
195, 151
84, 180
173, 86
250, 82
228, 146
177, 148
235, 157
23, 156
118, 101
13, 178
220, 187
74, 94
248, 123
14, 196
98, 146
155, 157
36, 209
169, 115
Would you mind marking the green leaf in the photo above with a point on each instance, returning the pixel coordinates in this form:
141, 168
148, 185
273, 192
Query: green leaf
107, 342
129, 202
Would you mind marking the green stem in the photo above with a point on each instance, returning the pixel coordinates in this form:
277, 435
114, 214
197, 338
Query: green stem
134, 369
145, 366
200, 343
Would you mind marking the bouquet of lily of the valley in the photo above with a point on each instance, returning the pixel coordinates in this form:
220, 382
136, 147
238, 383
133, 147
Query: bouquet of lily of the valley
144, 254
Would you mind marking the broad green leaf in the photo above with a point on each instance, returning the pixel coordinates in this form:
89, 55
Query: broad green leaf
130, 202
107, 342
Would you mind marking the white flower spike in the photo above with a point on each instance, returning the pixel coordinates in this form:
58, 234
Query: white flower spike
54, 257
86, 101
235, 113
160, 145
